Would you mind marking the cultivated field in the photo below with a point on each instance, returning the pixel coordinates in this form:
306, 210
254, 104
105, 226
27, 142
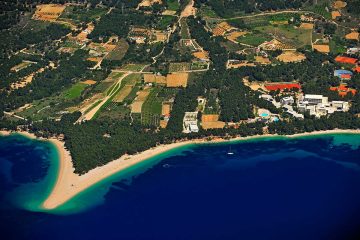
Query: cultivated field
119, 51
142, 95
132, 67
291, 56
48, 12
151, 109
179, 67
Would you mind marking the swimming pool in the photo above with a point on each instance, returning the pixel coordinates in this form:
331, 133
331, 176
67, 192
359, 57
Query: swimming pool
264, 115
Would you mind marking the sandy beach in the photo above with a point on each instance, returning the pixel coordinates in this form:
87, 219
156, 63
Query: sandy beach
69, 184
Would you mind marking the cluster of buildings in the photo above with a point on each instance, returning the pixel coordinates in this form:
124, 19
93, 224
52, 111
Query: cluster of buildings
315, 105
190, 122
142, 35
319, 105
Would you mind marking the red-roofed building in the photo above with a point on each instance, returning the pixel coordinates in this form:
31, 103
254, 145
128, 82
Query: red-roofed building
343, 90
282, 86
357, 69
345, 76
348, 60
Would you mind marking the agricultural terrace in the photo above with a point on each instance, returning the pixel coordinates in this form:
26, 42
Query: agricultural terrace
184, 31
127, 85
265, 28
151, 108
119, 96
179, 67
148, 3
119, 51
132, 67
21, 66
106, 84
141, 96
48, 12
80, 14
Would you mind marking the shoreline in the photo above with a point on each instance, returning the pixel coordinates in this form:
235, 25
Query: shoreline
69, 184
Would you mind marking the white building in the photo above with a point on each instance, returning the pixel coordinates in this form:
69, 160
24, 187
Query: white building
318, 105
341, 106
190, 122
353, 50
287, 100
311, 99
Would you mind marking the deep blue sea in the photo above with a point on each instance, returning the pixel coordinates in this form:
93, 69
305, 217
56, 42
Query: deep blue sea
270, 188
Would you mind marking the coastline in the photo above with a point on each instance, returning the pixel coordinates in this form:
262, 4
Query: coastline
69, 184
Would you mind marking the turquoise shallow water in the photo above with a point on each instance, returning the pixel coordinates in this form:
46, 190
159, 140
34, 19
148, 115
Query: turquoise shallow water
271, 188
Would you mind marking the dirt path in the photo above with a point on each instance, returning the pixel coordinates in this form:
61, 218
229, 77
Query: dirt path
189, 10
89, 115
267, 13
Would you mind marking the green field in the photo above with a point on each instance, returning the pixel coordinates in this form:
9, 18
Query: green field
132, 67
75, 91
320, 9
288, 34
119, 52
198, 65
151, 109
173, 5
113, 111
184, 29
165, 22
254, 39
79, 14
336, 47
206, 11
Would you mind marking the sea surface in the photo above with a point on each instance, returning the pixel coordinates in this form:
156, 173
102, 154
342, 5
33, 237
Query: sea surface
270, 188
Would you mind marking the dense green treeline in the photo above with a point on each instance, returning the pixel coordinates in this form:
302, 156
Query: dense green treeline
14, 40
48, 82
118, 23
217, 53
353, 6
12, 10
96, 143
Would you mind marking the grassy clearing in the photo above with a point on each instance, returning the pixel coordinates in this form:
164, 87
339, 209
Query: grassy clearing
206, 11
75, 91
80, 14
254, 39
288, 34
133, 67
336, 47
173, 5
132, 79
185, 34
320, 9
198, 65
165, 22
70, 44
113, 111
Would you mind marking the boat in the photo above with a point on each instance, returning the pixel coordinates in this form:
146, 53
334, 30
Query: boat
230, 152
